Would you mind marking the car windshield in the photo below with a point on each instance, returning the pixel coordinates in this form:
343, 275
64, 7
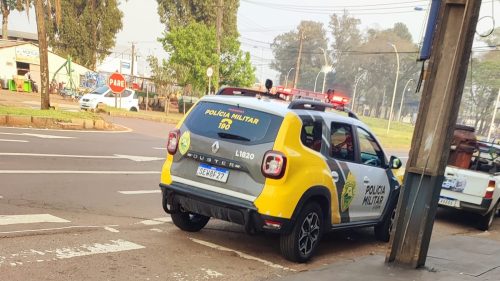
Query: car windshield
101, 90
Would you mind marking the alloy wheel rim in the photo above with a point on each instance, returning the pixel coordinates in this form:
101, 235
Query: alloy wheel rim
309, 233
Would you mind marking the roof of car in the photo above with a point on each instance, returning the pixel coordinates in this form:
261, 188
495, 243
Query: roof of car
280, 108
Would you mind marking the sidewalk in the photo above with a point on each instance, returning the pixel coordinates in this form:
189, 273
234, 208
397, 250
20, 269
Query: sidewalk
454, 258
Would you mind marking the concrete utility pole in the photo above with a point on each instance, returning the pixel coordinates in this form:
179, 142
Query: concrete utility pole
220, 4
133, 58
441, 96
297, 67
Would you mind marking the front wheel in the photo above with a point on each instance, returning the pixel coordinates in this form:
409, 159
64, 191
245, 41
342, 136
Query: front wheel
486, 221
188, 221
300, 244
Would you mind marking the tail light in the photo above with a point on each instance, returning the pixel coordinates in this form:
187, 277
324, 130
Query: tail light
490, 189
274, 165
173, 141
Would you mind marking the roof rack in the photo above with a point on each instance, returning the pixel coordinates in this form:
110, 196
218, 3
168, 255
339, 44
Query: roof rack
319, 106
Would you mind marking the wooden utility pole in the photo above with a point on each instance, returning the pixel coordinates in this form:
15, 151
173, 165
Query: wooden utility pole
44, 56
297, 66
220, 4
451, 49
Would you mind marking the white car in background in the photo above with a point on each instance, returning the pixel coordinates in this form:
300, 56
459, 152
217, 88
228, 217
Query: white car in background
103, 95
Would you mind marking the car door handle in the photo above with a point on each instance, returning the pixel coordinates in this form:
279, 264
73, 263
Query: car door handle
366, 180
335, 176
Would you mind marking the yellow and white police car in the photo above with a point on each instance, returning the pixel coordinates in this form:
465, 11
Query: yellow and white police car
298, 169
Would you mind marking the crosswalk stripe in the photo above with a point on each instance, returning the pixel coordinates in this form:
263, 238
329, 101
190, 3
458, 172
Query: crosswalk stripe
5, 140
156, 221
31, 218
135, 192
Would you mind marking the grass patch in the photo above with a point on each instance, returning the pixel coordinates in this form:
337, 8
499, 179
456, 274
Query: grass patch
399, 136
172, 117
60, 115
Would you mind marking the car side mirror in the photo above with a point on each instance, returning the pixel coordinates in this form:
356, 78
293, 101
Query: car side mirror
395, 162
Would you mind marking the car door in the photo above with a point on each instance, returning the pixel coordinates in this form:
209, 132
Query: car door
109, 99
362, 188
371, 174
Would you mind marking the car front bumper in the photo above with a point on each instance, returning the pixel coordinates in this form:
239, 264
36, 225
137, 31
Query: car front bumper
220, 206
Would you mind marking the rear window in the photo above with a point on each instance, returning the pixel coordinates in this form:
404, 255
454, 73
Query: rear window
101, 90
233, 123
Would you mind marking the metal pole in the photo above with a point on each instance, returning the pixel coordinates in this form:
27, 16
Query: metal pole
355, 88
395, 87
324, 75
492, 124
316, 81
147, 96
209, 84
402, 99
286, 78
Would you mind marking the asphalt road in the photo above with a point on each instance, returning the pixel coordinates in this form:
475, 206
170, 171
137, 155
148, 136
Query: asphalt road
86, 206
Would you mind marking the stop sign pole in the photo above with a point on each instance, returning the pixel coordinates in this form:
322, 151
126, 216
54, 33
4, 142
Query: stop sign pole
117, 84
210, 72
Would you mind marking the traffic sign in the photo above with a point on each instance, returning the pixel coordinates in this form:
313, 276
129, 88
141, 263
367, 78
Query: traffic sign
117, 83
210, 72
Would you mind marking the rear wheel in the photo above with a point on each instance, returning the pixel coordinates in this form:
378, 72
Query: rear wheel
301, 243
383, 230
486, 221
188, 221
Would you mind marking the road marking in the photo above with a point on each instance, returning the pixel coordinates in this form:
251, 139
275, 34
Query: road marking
139, 158
37, 135
160, 148
110, 229
55, 228
156, 221
126, 130
211, 273
156, 230
135, 192
79, 172
31, 255
116, 156
32, 218
241, 254
5, 140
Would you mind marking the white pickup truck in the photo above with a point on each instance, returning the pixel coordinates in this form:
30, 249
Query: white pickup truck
476, 189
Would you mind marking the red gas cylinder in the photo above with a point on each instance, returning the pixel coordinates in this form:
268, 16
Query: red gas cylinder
463, 146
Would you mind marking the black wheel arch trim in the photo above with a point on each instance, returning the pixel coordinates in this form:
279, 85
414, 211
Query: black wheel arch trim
315, 191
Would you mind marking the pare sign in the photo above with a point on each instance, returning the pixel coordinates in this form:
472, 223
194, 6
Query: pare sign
117, 83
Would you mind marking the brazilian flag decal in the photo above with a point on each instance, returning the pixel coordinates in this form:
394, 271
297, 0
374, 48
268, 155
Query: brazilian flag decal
348, 192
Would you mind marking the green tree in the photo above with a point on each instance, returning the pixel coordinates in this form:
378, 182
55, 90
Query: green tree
7, 6
192, 46
87, 31
285, 49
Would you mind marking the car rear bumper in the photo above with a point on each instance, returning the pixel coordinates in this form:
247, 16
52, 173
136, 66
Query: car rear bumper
220, 206
481, 209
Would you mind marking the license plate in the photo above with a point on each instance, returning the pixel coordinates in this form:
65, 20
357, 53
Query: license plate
449, 202
213, 173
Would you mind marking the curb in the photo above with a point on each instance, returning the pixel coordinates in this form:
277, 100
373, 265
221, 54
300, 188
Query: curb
54, 123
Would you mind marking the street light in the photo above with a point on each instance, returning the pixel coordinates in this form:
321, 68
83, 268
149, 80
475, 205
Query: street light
402, 98
286, 78
316, 80
355, 87
325, 70
395, 87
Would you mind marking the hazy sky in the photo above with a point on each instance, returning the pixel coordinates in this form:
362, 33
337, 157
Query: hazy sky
260, 21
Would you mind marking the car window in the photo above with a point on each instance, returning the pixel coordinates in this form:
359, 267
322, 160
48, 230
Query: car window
100, 90
233, 123
370, 152
341, 140
311, 134
109, 95
126, 93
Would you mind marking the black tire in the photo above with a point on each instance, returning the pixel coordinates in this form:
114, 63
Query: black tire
486, 221
190, 222
301, 243
133, 109
384, 229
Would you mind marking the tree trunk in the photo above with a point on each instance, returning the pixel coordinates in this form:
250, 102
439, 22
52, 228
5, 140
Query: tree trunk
5, 21
44, 56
